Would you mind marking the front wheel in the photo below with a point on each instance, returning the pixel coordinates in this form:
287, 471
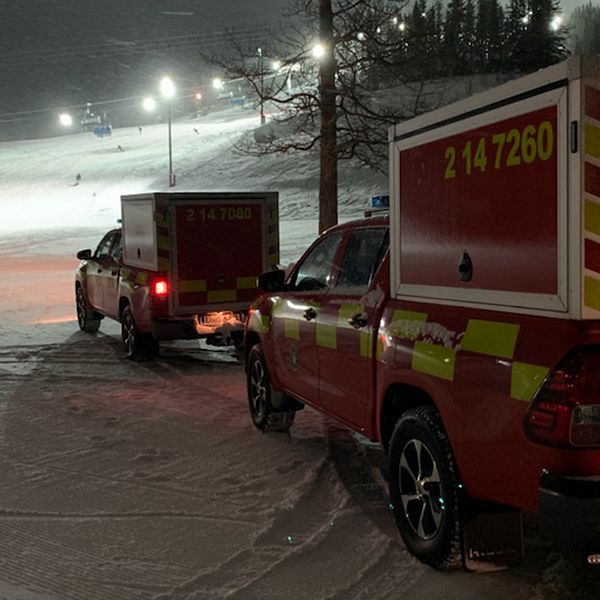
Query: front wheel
137, 345
424, 488
88, 319
260, 395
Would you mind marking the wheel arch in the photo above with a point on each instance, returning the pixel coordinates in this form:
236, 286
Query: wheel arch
399, 398
250, 340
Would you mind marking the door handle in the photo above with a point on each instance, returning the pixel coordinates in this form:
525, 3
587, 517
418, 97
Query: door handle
99, 271
358, 320
310, 314
113, 273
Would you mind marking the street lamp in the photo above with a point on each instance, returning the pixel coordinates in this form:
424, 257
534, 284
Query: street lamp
318, 51
66, 120
167, 89
259, 54
149, 104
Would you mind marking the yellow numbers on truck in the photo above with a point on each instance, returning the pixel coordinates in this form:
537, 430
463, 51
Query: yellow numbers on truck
508, 149
223, 213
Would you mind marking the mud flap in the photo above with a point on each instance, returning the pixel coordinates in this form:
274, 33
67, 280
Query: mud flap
492, 539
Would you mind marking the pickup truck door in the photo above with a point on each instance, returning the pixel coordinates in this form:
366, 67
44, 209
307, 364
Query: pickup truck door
94, 273
295, 320
111, 272
348, 321
102, 274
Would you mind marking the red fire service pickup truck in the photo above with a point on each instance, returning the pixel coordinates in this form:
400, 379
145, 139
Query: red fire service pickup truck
183, 265
463, 333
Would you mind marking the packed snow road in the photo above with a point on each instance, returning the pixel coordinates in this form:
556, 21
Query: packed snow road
125, 480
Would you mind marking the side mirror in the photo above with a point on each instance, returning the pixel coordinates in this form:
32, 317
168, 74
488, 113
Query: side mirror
272, 281
84, 254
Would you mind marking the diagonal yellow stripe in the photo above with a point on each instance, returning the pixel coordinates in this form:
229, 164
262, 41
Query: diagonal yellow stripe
592, 140
433, 359
490, 337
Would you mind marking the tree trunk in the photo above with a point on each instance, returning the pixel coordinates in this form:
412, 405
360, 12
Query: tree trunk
327, 93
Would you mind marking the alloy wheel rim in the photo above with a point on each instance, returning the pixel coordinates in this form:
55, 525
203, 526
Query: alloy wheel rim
80, 307
421, 489
258, 389
129, 333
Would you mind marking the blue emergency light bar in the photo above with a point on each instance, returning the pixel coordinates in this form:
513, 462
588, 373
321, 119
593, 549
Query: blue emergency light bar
379, 202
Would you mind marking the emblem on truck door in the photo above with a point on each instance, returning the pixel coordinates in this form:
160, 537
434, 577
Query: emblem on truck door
294, 358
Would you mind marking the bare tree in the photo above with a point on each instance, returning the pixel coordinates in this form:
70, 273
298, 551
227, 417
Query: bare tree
329, 85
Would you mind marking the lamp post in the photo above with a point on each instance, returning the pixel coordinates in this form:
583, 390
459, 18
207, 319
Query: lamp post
168, 91
262, 85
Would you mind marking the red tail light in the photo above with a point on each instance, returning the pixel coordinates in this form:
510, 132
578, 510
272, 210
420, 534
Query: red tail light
566, 410
160, 288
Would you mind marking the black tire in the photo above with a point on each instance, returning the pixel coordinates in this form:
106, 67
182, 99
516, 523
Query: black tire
137, 345
260, 395
88, 319
424, 488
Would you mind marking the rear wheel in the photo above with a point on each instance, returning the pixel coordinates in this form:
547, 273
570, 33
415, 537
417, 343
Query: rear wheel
137, 345
260, 396
88, 319
424, 488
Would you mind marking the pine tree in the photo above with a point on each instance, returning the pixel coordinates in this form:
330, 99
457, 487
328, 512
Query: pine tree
542, 42
454, 38
584, 30
490, 26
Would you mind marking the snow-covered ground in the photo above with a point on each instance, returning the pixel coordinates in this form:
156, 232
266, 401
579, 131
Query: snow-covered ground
122, 480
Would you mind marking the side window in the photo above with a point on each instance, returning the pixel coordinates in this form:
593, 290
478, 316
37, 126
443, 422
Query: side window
362, 256
315, 271
103, 249
116, 250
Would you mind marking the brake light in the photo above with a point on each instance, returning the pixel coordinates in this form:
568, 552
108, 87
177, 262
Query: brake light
160, 288
566, 410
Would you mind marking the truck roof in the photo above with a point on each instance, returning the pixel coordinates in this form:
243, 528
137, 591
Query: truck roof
375, 221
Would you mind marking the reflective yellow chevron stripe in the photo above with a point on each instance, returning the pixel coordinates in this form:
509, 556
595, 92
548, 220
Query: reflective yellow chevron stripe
246, 283
592, 217
221, 296
164, 264
291, 328
366, 343
406, 324
592, 140
192, 285
434, 359
591, 292
326, 336
525, 380
490, 337
163, 242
